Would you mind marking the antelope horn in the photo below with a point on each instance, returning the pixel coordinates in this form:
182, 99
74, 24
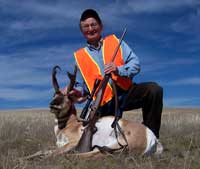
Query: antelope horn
72, 78
54, 80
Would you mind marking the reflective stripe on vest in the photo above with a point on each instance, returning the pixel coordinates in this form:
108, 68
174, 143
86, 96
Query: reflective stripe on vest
110, 44
91, 71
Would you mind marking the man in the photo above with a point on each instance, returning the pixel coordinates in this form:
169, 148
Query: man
93, 63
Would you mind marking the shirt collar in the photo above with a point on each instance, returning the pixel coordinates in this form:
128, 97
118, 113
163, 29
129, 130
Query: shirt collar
92, 47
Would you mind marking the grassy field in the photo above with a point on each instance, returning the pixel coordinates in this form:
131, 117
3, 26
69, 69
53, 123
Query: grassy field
24, 132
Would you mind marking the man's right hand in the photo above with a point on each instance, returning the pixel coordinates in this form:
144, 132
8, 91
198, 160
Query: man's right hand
77, 96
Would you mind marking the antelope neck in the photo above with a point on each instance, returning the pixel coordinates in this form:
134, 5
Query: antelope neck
62, 121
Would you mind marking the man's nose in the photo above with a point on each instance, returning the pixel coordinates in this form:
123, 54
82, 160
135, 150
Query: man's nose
90, 28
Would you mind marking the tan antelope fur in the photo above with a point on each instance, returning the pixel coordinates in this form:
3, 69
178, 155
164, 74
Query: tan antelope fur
140, 138
68, 129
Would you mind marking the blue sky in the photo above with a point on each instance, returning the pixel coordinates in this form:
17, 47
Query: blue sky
35, 35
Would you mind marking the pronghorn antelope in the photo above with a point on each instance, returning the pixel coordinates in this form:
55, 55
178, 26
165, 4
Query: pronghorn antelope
68, 128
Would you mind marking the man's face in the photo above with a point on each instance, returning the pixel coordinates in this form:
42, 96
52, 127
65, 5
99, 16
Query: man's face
91, 29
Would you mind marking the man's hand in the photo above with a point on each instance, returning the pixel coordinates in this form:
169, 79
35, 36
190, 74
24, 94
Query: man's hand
75, 95
110, 67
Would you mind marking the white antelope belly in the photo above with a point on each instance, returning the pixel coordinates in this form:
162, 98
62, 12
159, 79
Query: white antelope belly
105, 135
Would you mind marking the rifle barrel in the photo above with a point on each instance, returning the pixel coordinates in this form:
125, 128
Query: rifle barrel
117, 48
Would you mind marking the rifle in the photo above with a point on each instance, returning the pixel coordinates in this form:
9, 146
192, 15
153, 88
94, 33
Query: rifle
84, 114
85, 142
103, 83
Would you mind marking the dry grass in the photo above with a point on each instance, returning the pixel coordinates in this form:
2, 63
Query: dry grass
25, 132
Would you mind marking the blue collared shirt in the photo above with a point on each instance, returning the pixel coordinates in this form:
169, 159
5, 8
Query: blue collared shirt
129, 69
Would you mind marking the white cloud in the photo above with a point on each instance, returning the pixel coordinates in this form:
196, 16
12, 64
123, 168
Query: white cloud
185, 81
159, 64
35, 15
27, 63
159, 6
188, 24
24, 94
33, 67
181, 101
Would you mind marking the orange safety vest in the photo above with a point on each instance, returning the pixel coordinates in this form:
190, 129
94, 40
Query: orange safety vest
91, 71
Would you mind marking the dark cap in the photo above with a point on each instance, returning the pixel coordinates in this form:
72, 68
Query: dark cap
90, 13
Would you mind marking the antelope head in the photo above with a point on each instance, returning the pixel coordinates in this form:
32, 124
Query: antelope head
61, 104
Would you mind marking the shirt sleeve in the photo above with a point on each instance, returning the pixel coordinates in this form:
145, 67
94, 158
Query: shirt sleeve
132, 64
